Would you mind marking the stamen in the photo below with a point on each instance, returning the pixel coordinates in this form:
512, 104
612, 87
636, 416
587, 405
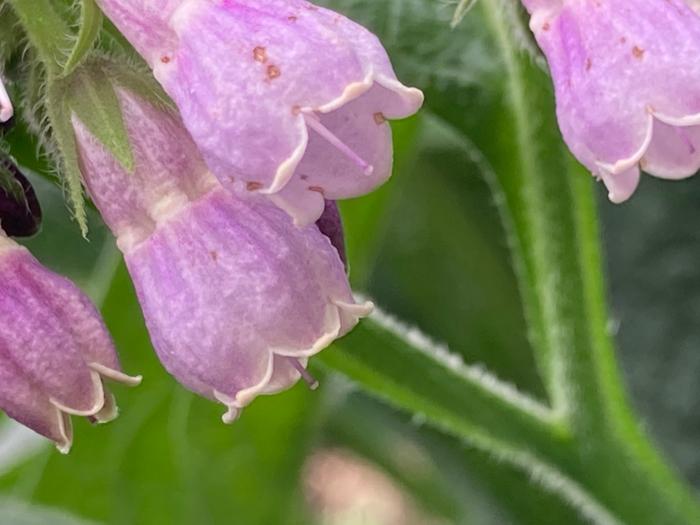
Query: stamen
6, 109
305, 375
315, 123
686, 138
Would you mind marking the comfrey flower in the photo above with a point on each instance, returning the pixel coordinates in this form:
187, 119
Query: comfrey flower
626, 75
282, 97
54, 349
236, 298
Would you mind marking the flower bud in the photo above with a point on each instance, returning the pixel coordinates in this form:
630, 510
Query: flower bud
235, 297
626, 77
20, 213
282, 97
54, 349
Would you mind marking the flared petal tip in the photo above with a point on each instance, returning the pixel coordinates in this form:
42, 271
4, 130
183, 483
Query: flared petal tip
64, 433
341, 316
621, 186
234, 408
116, 375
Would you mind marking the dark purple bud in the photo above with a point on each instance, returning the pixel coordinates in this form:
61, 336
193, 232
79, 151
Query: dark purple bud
331, 225
20, 213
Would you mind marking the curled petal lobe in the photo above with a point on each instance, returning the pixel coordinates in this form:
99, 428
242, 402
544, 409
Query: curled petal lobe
54, 348
282, 95
626, 77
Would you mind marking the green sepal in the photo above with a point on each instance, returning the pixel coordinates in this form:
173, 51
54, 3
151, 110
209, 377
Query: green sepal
90, 25
90, 96
59, 114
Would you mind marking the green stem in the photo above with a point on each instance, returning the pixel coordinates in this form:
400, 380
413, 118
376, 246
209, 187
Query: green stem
550, 208
47, 31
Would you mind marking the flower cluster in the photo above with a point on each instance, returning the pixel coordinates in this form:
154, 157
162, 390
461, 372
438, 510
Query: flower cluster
282, 98
225, 212
619, 109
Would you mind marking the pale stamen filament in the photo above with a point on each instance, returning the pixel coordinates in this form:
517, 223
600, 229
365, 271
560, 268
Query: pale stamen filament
305, 375
685, 138
315, 123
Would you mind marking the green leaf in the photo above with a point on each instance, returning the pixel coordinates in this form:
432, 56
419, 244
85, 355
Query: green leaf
90, 25
481, 80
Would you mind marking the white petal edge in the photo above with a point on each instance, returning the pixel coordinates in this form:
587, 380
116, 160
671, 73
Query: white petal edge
98, 391
333, 319
65, 430
115, 375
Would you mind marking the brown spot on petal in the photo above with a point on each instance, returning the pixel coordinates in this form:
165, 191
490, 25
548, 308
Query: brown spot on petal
214, 255
588, 64
292, 18
165, 59
273, 72
317, 189
379, 118
296, 110
253, 186
637, 52
260, 54
546, 26
623, 40
304, 177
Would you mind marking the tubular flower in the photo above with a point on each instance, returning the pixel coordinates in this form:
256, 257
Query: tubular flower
282, 97
235, 297
626, 78
54, 349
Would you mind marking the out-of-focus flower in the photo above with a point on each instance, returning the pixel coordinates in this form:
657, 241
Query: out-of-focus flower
20, 213
626, 77
6, 109
282, 97
235, 297
54, 349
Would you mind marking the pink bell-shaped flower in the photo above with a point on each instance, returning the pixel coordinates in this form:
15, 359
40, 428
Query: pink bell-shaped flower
236, 297
54, 349
626, 76
282, 97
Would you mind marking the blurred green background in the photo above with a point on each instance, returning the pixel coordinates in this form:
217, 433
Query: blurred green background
428, 247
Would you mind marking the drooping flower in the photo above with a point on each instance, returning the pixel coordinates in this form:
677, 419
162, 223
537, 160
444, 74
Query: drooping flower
6, 109
626, 77
282, 97
54, 349
235, 297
